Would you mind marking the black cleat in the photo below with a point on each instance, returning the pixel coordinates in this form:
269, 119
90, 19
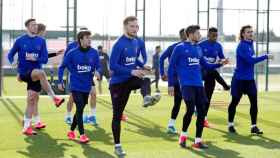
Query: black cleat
231, 129
256, 130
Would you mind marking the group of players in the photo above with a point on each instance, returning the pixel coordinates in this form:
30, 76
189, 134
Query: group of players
191, 61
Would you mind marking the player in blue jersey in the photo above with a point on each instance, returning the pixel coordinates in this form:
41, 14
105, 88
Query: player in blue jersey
82, 62
127, 74
177, 92
32, 54
185, 63
212, 52
91, 118
243, 81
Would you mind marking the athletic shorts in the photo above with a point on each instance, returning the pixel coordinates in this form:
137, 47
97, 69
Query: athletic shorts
31, 85
240, 87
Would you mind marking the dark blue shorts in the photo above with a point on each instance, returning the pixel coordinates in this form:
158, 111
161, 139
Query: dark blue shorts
194, 94
31, 85
240, 87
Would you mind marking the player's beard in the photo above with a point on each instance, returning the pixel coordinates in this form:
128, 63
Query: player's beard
131, 34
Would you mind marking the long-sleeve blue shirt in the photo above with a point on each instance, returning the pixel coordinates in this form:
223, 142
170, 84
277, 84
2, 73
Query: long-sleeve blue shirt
124, 59
185, 62
166, 54
81, 65
142, 51
71, 45
27, 46
245, 60
211, 50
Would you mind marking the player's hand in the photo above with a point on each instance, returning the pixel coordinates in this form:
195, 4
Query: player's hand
146, 67
18, 78
270, 56
225, 61
98, 76
171, 91
60, 87
138, 73
164, 77
14, 64
61, 51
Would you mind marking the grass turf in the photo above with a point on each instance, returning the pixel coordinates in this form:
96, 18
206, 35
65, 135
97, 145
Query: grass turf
144, 135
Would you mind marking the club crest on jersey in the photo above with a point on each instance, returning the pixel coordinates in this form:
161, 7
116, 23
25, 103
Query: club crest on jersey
83, 68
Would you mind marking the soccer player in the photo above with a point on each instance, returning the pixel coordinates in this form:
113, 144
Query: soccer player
104, 60
92, 116
212, 51
243, 79
81, 62
32, 53
41, 31
127, 74
185, 63
155, 66
177, 92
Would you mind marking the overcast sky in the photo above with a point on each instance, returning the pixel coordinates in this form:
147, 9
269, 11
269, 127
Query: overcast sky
105, 16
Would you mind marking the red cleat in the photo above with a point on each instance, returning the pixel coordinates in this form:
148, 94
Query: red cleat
124, 118
84, 139
29, 131
200, 145
71, 135
182, 141
58, 101
40, 125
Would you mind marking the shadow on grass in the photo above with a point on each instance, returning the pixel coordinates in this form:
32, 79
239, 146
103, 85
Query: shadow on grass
13, 109
145, 126
99, 135
91, 152
247, 116
216, 152
43, 145
259, 140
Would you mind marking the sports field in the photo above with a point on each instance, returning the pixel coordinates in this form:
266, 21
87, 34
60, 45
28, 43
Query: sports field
144, 135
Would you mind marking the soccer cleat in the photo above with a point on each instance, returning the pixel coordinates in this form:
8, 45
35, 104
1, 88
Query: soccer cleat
71, 135
155, 98
231, 129
58, 101
148, 101
29, 131
256, 130
182, 141
85, 119
40, 125
206, 124
84, 139
124, 118
68, 120
92, 120
171, 130
119, 151
200, 145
